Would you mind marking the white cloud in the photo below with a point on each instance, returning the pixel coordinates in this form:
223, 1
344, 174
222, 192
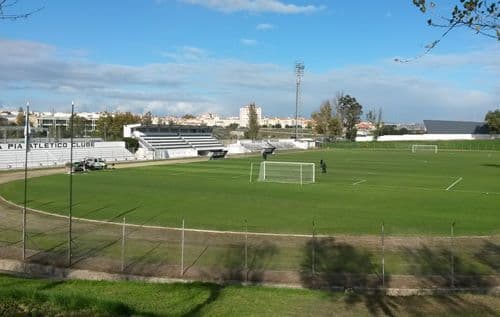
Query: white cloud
189, 53
248, 42
35, 71
270, 6
264, 26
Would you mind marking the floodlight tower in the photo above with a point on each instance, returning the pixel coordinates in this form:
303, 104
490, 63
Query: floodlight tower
299, 73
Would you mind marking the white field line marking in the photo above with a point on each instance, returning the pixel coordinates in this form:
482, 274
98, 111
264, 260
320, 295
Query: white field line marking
361, 181
298, 235
454, 183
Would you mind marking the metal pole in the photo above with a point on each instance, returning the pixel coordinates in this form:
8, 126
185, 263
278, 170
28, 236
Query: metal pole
123, 245
383, 255
297, 110
452, 256
313, 251
182, 249
70, 218
26, 145
299, 72
246, 250
300, 174
251, 171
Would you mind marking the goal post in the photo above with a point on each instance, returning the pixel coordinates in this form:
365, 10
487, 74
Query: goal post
287, 172
424, 147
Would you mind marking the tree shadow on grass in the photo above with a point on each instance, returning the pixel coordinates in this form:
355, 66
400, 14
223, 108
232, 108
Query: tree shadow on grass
341, 265
214, 293
491, 165
439, 267
259, 258
489, 255
232, 269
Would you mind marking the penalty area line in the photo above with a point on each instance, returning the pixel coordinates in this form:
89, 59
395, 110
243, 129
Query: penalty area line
361, 181
454, 183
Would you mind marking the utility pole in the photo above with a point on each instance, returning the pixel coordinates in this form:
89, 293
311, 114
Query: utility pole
70, 217
299, 73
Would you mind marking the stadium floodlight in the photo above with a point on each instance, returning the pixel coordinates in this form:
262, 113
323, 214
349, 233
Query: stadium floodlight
424, 147
287, 172
299, 73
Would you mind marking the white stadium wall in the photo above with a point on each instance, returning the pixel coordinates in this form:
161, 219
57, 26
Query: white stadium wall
428, 137
51, 154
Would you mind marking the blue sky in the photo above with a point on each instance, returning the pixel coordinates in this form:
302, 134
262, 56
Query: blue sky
197, 56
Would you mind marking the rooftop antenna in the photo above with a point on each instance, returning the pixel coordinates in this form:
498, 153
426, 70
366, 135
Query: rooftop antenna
299, 73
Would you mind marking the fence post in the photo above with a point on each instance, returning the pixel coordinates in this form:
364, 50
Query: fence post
313, 251
383, 255
123, 246
182, 249
452, 257
246, 251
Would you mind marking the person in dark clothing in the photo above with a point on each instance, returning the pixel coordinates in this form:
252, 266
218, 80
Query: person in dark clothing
322, 164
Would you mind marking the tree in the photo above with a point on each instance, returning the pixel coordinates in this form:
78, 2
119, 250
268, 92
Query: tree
6, 14
322, 118
350, 110
20, 118
492, 119
110, 127
481, 16
253, 122
324, 122
188, 116
147, 118
376, 121
334, 127
78, 127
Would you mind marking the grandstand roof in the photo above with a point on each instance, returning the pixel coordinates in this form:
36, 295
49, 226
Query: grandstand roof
455, 127
173, 129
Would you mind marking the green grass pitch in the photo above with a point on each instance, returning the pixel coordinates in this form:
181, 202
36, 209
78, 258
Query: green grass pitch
407, 191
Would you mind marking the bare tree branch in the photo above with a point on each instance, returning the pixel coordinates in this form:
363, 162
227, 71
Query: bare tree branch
5, 5
481, 16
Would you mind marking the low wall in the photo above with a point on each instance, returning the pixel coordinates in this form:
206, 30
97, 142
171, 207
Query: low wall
428, 137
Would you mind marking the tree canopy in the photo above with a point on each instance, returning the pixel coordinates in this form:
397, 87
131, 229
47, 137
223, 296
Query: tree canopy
110, 126
350, 110
324, 122
253, 122
492, 119
479, 15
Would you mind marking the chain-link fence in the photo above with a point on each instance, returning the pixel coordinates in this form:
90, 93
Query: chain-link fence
321, 259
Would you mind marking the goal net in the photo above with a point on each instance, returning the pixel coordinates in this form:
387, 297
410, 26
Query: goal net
287, 172
424, 147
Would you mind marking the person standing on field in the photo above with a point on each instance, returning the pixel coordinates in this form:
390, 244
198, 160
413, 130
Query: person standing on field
322, 164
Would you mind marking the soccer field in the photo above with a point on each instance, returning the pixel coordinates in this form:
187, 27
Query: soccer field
412, 193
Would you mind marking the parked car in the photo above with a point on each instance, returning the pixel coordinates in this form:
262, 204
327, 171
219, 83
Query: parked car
78, 166
95, 163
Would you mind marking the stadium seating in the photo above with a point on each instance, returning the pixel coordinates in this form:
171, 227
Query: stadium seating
203, 142
165, 142
158, 141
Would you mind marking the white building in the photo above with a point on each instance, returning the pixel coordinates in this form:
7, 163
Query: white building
56, 120
244, 115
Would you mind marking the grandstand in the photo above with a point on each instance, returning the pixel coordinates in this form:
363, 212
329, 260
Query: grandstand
51, 154
163, 142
